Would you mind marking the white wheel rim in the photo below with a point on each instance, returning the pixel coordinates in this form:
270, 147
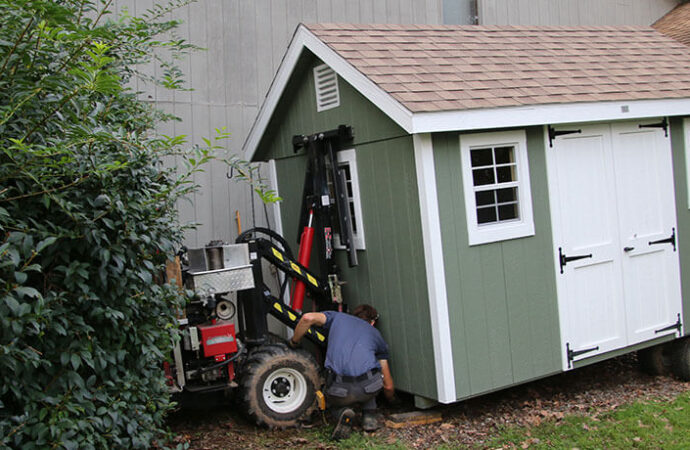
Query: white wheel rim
285, 390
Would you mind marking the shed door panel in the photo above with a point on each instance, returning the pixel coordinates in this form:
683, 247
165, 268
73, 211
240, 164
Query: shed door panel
592, 286
644, 181
612, 194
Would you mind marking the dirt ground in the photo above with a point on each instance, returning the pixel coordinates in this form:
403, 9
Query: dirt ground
211, 423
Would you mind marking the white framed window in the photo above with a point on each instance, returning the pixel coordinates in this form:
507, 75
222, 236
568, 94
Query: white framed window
495, 175
347, 160
686, 133
326, 85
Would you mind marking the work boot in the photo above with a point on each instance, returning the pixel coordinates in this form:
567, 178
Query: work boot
344, 425
369, 421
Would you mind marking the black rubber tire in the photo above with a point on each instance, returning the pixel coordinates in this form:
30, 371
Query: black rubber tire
278, 386
653, 361
681, 359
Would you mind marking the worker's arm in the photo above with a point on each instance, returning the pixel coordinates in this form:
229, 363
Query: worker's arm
306, 321
388, 387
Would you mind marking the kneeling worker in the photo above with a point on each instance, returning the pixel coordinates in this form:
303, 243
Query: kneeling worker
356, 361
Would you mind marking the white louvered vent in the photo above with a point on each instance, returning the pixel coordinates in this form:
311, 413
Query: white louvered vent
326, 83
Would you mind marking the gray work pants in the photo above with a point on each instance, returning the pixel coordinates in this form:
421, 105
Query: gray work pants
342, 391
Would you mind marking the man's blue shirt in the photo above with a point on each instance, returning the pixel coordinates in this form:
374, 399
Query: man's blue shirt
354, 346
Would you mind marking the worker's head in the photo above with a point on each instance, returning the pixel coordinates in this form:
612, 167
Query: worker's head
366, 312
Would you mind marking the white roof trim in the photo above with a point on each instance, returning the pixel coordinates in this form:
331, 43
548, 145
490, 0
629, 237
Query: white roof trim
522, 116
304, 38
430, 122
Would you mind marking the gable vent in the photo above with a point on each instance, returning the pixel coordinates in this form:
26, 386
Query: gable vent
326, 83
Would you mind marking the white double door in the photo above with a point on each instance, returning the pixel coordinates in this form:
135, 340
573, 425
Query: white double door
612, 198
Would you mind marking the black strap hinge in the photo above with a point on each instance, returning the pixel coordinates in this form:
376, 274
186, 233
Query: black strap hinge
678, 326
669, 240
663, 125
572, 354
563, 259
553, 133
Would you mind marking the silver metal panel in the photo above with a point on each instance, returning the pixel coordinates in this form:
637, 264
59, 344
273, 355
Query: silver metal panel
220, 281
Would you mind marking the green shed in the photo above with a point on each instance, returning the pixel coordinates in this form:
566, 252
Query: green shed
520, 194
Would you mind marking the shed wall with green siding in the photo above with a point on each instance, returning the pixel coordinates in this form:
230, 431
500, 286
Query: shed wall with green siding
502, 296
390, 274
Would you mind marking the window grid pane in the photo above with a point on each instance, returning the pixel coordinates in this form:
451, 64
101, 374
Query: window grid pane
495, 181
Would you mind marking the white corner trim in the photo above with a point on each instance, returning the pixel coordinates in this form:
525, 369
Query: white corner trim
435, 270
686, 135
556, 238
304, 38
522, 116
273, 179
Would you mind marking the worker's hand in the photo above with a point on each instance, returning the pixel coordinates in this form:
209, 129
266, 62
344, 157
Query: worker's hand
392, 399
292, 344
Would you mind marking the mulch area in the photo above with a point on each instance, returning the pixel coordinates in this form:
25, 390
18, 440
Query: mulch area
211, 424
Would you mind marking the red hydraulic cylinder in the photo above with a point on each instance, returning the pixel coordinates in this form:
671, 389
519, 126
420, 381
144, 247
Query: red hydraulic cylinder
305, 245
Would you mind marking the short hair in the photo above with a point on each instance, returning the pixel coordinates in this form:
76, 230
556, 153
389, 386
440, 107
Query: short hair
366, 312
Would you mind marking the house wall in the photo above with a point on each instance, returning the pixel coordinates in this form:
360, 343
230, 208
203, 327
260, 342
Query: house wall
502, 298
680, 140
391, 273
245, 41
569, 12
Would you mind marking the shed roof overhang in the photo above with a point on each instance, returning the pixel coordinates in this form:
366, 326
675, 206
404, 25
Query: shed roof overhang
454, 120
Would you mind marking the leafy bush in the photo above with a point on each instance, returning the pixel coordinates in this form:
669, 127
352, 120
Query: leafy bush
87, 222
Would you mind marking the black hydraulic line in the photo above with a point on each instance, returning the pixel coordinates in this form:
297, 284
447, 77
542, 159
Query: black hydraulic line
246, 236
240, 348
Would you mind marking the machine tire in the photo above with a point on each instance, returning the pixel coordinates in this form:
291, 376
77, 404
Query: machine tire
278, 385
654, 360
681, 359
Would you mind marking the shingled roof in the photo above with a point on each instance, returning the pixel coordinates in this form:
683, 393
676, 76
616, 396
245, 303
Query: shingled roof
441, 68
441, 78
676, 23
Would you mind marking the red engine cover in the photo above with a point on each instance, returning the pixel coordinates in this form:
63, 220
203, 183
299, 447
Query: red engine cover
218, 339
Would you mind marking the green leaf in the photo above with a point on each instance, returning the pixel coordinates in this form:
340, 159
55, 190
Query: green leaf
25, 291
12, 303
75, 360
45, 243
20, 277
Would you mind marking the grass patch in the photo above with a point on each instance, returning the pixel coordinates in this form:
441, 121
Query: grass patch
649, 424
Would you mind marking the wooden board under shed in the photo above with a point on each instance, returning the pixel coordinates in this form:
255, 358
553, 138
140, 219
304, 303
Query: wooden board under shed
413, 418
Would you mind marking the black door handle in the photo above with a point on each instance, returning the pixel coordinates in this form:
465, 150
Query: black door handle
628, 249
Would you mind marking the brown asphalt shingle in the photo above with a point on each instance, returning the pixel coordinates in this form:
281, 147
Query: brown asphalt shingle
440, 68
676, 24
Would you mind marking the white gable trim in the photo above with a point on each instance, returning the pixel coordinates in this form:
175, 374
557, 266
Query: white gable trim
522, 116
304, 38
435, 269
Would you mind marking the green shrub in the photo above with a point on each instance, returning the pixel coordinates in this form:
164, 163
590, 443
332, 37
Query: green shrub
87, 222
